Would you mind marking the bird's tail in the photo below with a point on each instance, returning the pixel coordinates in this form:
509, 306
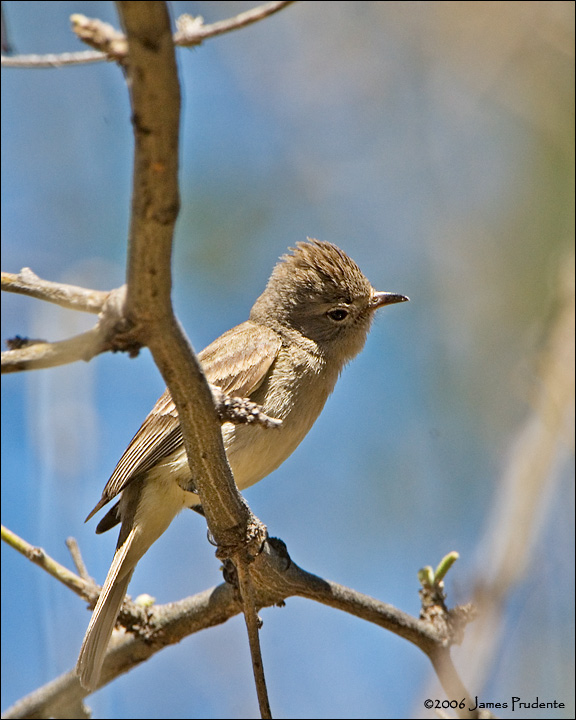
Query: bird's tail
104, 616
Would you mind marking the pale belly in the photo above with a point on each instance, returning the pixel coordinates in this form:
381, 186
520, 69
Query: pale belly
254, 452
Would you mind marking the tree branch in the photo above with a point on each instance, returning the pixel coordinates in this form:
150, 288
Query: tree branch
52, 60
155, 97
87, 590
111, 332
242, 564
111, 45
72, 297
192, 31
275, 578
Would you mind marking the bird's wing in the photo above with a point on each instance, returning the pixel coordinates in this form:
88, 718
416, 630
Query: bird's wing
158, 436
237, 362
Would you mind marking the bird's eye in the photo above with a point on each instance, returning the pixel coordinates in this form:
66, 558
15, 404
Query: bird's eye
338, 314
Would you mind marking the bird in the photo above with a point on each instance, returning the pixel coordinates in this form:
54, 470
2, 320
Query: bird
311, 320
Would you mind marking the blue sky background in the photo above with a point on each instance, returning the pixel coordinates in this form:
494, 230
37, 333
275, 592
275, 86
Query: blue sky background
433, 142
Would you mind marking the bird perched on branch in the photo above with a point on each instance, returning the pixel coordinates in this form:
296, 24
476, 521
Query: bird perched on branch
312, 318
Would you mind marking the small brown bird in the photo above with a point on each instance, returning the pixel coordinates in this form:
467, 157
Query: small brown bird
312, 318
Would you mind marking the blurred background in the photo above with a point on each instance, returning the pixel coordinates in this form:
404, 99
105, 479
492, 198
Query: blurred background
433, 142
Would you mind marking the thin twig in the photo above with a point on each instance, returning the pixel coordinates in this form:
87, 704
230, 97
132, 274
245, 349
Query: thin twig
85, 589
77, 558
72, 297
253, 627
240, 411
41, 355
53, 60
111, 332
102, 36
191, 31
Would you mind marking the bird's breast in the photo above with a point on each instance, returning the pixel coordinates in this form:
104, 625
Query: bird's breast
295, 392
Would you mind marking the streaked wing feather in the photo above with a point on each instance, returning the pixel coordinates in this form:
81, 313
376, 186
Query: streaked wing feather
158, 436
237, 362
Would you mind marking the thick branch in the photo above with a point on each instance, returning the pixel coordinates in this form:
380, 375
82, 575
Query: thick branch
155, 97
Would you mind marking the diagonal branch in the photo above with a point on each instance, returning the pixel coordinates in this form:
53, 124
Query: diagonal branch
72, 297
192, 31
155, 98
37, 555
39, 355
111, 45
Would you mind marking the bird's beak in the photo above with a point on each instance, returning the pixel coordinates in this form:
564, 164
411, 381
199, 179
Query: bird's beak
379, 299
